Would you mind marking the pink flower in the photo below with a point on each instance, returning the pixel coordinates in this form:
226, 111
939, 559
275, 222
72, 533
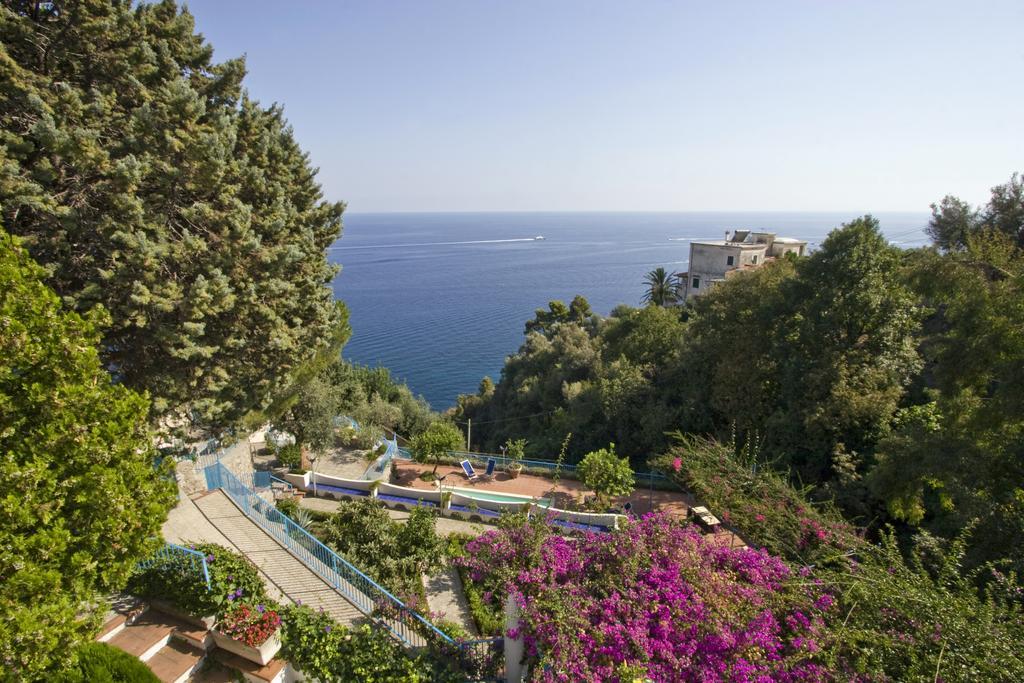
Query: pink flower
677, 464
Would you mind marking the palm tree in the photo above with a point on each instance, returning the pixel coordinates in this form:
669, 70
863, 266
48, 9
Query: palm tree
662, 288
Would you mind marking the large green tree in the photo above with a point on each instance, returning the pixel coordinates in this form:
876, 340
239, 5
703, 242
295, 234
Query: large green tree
954, 220
845, 352
82, 495
957, 459
434, 443
143, 179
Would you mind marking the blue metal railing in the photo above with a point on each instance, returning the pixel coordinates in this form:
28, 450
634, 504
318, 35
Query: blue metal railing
176, 554
362, 591
287, 485
376, 468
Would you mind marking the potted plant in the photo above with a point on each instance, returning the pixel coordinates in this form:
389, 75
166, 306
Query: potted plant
515, 450
250, 631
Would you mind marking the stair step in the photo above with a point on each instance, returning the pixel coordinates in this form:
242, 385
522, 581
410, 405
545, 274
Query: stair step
251, 671
196, 636
176, 661
111, 628
148, 634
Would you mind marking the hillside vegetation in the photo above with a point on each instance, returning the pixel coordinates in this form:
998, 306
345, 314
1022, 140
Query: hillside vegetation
889, 381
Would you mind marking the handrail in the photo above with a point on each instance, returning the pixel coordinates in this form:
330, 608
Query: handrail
336, 570
282, 481
381, 461
172, 552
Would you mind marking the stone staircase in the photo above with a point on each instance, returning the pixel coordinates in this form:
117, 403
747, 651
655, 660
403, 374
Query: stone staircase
177, 651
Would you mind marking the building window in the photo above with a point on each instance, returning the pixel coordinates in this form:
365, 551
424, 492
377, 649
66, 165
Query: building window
696, 283
754, 260
729, 260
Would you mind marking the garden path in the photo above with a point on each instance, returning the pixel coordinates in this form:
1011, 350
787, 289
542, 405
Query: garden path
294, 579
445, 596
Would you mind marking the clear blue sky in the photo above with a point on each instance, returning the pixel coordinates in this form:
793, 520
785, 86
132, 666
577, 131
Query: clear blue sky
566, 105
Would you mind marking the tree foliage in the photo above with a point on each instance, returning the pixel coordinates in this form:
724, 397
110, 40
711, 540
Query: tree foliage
396, 555
144, 179
663, 288
311, 418
84, 493
434, 443
956, 459
954, 221
606, 473
545, 322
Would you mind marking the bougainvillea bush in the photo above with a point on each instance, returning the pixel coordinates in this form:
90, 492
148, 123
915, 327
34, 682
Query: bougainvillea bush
905, 613
761, 501
653, 600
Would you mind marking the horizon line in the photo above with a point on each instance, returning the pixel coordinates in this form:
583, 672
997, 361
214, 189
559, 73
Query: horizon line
857, 212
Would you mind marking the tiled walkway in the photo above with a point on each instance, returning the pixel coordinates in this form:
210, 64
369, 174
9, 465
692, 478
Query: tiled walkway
294, 579
446, 596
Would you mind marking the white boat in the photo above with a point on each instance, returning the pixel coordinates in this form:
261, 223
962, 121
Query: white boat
539, 237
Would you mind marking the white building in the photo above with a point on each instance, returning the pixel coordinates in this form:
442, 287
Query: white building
712, 261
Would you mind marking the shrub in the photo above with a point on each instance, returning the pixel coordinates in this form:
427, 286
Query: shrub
232, 577
515, 450
396, 555
288, 507
606, 473
290, 455
367, 437
102, 663
453, 630
893, 619
655, 595
326, 650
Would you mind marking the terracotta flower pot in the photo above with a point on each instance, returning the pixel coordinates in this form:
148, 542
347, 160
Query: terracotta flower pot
514, 470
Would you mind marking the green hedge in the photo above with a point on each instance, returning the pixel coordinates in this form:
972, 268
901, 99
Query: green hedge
182, 584
489, 619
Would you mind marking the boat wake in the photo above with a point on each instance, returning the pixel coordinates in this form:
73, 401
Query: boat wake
432, 244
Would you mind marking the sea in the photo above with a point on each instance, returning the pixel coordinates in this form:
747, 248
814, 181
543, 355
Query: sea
441, 298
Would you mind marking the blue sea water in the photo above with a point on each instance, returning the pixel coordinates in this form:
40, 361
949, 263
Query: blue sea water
441, 298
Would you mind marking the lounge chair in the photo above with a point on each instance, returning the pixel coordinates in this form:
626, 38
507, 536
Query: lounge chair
467, 467
489, 474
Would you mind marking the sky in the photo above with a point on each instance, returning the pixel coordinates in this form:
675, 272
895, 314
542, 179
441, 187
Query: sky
567, 105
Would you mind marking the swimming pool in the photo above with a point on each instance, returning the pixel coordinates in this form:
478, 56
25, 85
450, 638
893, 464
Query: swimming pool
492, 497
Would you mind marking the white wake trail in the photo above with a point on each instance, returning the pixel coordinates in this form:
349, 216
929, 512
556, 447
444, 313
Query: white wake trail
431, 244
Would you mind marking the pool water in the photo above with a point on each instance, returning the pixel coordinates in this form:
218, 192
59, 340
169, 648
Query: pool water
500, 497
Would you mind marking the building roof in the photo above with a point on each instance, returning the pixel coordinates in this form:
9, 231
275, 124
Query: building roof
728, 243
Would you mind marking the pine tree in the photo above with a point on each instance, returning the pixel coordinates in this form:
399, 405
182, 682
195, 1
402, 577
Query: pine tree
143, 178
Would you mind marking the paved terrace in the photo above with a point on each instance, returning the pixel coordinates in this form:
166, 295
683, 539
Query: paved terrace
568, 494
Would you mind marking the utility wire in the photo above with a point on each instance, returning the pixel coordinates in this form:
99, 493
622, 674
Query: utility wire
508, 419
